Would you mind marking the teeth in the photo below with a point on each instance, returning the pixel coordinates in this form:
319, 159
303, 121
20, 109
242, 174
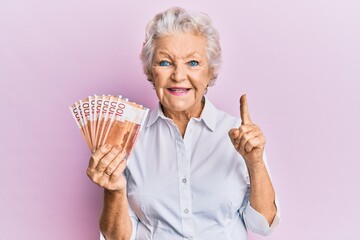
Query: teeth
178, 90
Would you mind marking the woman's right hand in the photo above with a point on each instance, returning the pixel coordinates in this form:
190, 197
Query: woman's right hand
106, 167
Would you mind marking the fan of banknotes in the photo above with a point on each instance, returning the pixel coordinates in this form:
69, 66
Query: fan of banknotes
110, 120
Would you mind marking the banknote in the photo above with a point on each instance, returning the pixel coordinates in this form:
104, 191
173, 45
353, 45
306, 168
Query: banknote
107, 119
109, 116
92, 106
83, 122
75, 113
85, 113
125, 126
102, 118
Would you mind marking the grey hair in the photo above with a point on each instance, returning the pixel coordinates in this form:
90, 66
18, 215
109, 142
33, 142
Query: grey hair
174, 20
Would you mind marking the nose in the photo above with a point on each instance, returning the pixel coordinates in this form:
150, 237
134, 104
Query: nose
179, 73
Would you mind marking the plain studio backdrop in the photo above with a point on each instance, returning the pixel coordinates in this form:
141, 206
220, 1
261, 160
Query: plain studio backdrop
297, 61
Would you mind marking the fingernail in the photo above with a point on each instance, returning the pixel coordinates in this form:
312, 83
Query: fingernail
107, 146
117, 147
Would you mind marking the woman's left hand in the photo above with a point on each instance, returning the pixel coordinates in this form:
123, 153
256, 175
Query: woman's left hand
248, 139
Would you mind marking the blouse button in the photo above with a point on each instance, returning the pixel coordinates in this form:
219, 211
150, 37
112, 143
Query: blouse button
186, 210
184, 180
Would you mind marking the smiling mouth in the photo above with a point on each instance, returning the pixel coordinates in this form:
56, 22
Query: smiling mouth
179, 90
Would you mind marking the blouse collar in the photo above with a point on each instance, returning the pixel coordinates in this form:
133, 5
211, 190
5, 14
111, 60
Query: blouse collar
208, 115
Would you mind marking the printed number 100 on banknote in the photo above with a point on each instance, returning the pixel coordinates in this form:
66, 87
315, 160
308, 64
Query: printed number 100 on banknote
110, 120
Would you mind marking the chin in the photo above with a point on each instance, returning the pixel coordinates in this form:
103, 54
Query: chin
177, 108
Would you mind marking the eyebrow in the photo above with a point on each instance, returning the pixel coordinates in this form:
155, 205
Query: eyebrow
169, 55
164, 53
191, 54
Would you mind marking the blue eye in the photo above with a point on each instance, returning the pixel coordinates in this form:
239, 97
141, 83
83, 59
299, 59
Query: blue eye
193, 63
164, 63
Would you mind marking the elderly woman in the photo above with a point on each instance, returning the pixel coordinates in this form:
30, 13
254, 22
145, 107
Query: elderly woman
196, 172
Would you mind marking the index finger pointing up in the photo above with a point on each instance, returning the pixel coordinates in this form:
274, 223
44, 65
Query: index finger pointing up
244, 112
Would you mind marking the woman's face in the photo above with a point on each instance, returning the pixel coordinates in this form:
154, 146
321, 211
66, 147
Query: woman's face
180, 72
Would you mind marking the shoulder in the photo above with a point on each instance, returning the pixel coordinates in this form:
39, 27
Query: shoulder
228, 119
216, 118
225, 119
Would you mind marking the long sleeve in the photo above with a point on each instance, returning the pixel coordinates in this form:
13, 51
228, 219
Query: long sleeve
254, 220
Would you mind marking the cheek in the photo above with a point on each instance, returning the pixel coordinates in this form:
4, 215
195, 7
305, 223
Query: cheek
159, 76
155, 75
156, 78
202, 80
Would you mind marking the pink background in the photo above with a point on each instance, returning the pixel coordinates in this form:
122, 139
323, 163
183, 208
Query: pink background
298, 61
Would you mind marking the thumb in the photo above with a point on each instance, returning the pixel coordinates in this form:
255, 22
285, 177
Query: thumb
234, 134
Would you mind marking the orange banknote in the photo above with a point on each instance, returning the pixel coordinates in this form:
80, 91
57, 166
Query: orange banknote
110, 120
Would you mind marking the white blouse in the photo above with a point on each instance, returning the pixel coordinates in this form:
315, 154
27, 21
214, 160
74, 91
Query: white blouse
196, 187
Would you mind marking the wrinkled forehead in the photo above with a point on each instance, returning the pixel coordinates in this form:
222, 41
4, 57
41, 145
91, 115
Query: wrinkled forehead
181, 45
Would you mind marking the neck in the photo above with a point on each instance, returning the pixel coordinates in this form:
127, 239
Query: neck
182, 118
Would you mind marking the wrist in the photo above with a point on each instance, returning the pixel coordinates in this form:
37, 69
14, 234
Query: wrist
115, 193
255, 166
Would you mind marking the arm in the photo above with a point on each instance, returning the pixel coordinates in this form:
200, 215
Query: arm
262, 194
115, 222
249, 141
106, 170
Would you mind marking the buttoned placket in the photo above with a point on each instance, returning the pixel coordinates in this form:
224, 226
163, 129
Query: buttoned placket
183, 150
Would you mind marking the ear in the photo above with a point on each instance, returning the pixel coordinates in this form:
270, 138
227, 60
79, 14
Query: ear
210, 74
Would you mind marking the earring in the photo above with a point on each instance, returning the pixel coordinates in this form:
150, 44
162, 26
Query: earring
206, 89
